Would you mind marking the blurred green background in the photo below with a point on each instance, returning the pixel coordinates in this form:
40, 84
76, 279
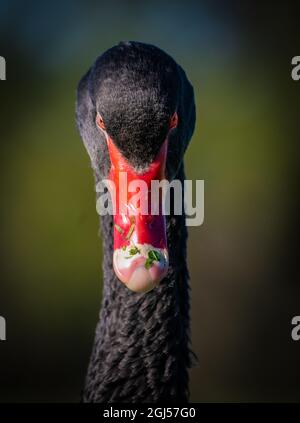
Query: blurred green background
243, 260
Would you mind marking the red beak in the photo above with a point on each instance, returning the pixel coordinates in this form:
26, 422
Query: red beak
140, 242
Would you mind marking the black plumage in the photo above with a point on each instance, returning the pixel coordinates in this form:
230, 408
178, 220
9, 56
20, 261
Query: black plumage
141, 350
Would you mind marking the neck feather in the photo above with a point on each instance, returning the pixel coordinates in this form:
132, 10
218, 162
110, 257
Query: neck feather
141, 348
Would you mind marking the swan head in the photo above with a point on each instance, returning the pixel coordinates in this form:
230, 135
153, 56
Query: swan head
134, 92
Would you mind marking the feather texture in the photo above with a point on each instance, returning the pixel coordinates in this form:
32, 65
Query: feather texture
141, 350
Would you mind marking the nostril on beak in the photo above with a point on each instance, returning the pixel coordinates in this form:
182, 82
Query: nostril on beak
147, 220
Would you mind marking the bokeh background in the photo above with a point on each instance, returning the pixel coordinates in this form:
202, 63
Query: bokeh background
243, 260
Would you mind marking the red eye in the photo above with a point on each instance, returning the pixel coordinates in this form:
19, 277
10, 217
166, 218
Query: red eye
100, 122
174, 121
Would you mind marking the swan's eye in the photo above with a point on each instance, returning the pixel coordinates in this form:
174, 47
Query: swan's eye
100, 122
174, 121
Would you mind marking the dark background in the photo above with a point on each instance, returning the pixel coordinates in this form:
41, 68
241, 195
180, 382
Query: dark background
243, 260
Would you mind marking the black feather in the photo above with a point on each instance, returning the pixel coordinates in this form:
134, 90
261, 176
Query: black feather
141, 350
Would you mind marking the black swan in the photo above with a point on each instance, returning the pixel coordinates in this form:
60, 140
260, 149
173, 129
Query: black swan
135, 111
